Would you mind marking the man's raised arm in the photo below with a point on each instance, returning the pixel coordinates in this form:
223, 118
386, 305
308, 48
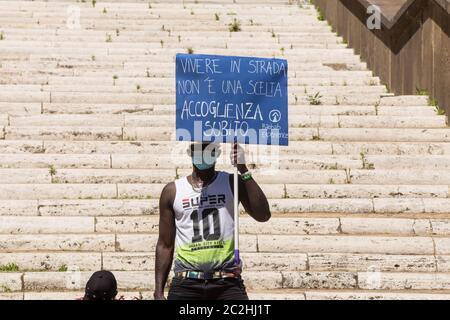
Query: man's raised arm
166, 240
250, 194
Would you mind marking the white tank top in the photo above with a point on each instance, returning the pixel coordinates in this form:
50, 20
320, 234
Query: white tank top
204, 226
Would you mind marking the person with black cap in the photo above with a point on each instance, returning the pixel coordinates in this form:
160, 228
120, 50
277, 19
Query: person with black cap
102, 285
197, 224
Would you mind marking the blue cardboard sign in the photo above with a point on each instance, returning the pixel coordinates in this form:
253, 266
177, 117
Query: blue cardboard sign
223, 98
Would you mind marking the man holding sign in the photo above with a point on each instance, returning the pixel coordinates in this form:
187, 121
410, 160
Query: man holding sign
197, 216
219, 99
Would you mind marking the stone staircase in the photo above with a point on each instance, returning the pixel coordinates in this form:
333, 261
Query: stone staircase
361, 202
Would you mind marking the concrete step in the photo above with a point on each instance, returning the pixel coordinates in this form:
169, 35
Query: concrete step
161, 134
279, 226
106, 25
25, 176
37, 183
377, 262
399, 281
70, 242
57, 160
299, 91
110, 56
320, 72
264, 164
365, 191
283, 46
171, 4
375, 135
54, 261
46, 225
65, 133
404, 100
352, 244
14, 79
77, 295
93, 58
318, 174
373, 295
181, 18
93, 242
144, 261
160, 14
165, 148
295, 121
135, 280
364, 169
329, 97
25, 97
156, 71
369, 162
142, 242
15, 109
391, 147
325, 55
12, 108
97, 32
141, 295
330, 80
79, 207
91, 36
129, 261
286, 294
132, 202
92, 69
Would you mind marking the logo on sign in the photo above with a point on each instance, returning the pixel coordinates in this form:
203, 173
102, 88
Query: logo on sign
275, 116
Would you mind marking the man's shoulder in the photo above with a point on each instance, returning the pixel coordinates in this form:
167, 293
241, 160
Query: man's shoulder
169, 186
169, 190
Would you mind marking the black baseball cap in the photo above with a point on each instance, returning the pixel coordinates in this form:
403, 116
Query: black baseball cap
102, 285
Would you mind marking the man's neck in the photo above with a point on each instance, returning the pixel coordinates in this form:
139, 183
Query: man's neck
204, 175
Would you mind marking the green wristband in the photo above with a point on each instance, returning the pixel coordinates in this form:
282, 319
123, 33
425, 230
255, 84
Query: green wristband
246, 176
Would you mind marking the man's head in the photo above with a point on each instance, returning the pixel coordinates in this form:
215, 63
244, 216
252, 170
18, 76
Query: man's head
101, 286
204, 154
